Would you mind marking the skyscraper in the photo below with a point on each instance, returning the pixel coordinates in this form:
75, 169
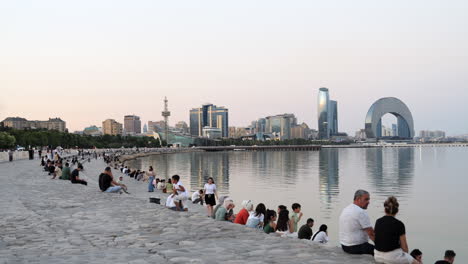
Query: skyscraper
280, 125
209, 116
327, 115
132, 125
111, 127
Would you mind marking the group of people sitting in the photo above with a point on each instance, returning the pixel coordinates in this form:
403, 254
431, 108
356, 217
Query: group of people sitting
59, 171
388, 234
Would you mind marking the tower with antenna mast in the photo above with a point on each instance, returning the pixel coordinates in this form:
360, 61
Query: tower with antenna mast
166, 114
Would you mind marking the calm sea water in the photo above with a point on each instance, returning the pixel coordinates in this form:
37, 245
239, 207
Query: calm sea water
429, 182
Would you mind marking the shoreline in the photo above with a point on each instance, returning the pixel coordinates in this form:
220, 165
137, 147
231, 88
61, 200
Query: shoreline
76, 223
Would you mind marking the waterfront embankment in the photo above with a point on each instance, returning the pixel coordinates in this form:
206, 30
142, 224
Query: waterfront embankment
54, 221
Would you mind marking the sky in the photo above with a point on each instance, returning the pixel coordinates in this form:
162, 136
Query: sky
86, 61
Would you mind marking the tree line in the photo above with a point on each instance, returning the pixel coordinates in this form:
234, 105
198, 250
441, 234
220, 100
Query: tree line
31, 138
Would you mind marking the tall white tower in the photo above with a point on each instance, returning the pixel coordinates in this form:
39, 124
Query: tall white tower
166, 114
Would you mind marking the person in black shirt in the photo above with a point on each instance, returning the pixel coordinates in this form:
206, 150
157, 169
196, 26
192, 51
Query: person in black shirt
449, 258
390, 237
75, 176
107, 183
305, 232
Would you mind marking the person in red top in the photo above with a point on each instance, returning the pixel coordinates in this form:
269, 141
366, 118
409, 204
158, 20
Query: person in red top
243, 215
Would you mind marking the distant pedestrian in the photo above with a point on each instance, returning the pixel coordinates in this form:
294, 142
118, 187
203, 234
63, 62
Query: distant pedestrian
10, 155
355, 226
75, 176
449, 258
305, 232
322, 235
151, 177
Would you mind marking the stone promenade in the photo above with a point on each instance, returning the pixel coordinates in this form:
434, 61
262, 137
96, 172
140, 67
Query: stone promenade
54, 221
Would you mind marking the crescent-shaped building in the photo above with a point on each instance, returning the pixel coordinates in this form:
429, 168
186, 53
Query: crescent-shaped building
394, 106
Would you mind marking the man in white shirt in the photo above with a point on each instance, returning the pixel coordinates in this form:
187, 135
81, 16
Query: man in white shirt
180, 194
355, 226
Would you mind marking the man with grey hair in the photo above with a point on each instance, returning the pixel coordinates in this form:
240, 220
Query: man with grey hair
355, 226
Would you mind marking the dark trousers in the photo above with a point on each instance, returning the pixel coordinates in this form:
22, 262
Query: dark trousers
198, 200
366, 248
80, 182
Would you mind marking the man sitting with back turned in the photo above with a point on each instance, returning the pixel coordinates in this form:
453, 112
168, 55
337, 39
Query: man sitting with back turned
107, 183
355, 226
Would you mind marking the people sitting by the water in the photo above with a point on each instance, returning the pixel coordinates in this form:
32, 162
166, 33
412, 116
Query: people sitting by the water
168, 188
65, 172
281, 208
197, 197
222, 214
132, 174
257, 217
270, 225
75, 176
211, 194
322, 235
161, 185
295, 217
355, 226
140, 175
107, 183
57, 171
282, 224
391, 246
120, 180
220, 203
305, 232
180, 193
52, 168
244, 213
46, 166
417, 255
449, 258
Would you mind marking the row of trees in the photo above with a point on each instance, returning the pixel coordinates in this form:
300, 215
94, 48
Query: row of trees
37, 138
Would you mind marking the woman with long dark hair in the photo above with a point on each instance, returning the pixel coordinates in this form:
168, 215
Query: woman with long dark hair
322, 235
270, 225
283, 221
257, 217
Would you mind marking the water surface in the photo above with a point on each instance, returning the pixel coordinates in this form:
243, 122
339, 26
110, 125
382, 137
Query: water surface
429, 183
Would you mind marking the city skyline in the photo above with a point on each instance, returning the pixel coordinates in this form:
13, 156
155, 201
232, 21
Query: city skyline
91, 61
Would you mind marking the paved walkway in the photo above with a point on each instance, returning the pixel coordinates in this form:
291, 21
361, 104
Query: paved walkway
54, 221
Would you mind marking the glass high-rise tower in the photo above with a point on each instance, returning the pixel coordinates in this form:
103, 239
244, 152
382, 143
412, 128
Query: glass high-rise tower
327, 115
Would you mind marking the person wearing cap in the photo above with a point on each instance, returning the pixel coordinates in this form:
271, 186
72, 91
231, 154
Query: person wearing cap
75, 176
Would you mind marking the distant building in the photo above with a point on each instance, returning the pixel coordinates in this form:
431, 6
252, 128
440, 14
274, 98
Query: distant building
360, 135
327, 115
132, 125
238, 132
280, 125
394, 130
300, 132
156, 126
111, 127
182, 127
22, 123
209, 116
212, 132
428, 134
145, 128
92, 131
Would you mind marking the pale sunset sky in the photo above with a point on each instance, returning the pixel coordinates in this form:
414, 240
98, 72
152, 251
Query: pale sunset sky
86, 61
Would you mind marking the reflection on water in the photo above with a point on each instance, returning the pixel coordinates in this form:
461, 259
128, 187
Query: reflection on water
329, 177
390, 170
323, 182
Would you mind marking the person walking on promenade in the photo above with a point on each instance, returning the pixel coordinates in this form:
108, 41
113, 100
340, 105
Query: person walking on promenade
391, 246
107, 183
270, 225
75, 176
305, 232
256, 218
244, 213
295, 217
151, 177
355, 226
449, 258
211, 195
66, 172
322, 235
